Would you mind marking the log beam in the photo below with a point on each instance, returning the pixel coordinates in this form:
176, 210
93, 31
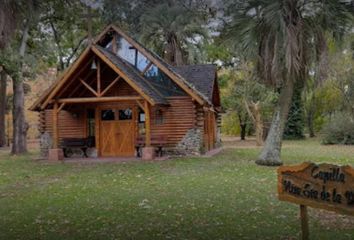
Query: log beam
147, 124
98, 78
141, 105
97, 130
98, 99
109, 86
89, 88
61, 107
55, 126
146, 68
114, 43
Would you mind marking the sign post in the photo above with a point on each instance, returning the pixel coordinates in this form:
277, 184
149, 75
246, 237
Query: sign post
325, 186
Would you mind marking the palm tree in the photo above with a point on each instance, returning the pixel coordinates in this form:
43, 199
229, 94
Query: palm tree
173, 31
284, 37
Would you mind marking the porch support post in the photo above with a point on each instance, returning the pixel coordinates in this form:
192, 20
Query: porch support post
55, 125
56, 153
97, 131
148, 150
99, 78
147, 124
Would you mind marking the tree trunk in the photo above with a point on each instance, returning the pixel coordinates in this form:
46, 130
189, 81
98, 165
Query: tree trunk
173, 52
259, 124
20, 127
19, 143
254, 110
310, 123
3, 104
243, 125
270, 155
243, 131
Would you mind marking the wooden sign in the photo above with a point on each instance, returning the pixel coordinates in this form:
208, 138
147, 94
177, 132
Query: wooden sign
323, 186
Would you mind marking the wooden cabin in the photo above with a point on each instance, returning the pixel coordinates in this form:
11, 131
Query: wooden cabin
125, 98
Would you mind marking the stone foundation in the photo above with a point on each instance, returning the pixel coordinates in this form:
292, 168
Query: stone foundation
45, 143
191, 144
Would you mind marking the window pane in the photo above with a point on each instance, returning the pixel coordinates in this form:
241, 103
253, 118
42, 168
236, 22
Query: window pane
163, 82
142, 62
125, 50
107, 115
125, 114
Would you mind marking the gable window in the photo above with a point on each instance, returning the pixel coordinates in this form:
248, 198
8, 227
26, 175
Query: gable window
129, 53
140, 62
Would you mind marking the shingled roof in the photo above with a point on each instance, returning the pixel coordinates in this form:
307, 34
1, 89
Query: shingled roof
134, 76
157, 59
202, 77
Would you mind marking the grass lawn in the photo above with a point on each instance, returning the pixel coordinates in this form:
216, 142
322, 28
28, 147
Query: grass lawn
224, 197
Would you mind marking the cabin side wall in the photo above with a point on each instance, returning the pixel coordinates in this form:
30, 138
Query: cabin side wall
177, 125
70, 125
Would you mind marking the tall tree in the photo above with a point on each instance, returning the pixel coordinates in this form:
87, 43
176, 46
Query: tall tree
68, 22
9, 14
174, 31
282, 36
13, 60
3, 83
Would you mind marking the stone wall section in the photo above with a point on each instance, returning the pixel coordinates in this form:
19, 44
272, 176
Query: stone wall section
193, 142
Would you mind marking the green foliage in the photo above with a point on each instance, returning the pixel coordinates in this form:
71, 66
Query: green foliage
339, 130
281, 48
219, 52
230, 124
238, 87
67, 23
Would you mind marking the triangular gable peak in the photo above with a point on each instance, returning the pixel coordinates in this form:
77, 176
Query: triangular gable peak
144, 60
81, 81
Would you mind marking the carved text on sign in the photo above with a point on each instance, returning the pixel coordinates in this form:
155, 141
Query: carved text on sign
324, 186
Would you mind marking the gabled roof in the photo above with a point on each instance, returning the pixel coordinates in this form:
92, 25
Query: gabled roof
202, 77
117, 64
159, 62
134, 76
198, 81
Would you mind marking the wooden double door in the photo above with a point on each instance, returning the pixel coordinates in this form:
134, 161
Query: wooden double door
117, 130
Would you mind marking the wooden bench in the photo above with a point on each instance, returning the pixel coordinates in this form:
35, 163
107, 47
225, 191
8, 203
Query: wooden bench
156, 141
68, 144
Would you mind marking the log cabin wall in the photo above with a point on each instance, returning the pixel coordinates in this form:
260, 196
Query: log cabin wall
177, 119
70, 124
